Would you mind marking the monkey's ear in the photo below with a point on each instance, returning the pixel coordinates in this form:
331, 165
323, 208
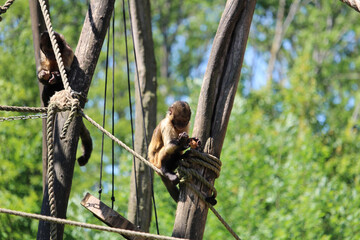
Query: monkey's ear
44, 40
170, 110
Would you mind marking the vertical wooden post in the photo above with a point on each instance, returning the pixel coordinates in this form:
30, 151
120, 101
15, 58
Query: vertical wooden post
38, 26
87, 53
146, 85
215, 103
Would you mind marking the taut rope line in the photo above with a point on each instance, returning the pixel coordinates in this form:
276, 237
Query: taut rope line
6, 6
119, 142
23, 109
87, 225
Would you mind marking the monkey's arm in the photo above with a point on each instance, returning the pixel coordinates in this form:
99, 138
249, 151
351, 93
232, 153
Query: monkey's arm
171, 187
44, 69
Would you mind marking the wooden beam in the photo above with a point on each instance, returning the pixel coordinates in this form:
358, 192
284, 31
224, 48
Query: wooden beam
141, 185
108, 215
215, 104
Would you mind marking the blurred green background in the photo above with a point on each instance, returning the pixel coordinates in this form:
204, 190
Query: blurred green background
290, 156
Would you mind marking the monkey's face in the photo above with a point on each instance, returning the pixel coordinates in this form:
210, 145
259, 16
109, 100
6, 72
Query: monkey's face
180, 114
46, 47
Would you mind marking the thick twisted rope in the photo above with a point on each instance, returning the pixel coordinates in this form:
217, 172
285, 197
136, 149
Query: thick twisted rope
210, 162
87, 225
23, 109
51, 170
61, 101
6, 6
75, 106
55, 45
206, 160
355, 4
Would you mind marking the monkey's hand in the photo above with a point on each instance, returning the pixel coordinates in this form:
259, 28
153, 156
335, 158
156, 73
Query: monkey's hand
194, 143
54, 77
44, 76
183, 140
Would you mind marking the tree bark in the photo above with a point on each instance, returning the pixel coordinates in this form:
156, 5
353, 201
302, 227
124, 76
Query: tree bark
139, 207
215, 103
38, 26
87, 53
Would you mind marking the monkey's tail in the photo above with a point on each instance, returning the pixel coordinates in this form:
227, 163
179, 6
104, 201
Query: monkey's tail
87, 145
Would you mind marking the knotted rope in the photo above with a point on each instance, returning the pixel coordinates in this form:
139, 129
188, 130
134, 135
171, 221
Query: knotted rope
187, 173
23, 109
61, 101
6, 6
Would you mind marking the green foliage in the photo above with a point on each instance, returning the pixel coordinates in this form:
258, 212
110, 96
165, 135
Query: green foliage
290, 157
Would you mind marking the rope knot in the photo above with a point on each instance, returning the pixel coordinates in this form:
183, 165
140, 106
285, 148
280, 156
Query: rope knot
64, 101
187, 172
79, 95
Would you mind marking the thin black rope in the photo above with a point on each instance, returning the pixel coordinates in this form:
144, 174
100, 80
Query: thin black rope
131, 114
113, 115
104, 112
143, 115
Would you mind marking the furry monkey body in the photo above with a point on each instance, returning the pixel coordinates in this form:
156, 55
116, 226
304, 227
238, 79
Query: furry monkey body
49, 76
169, 140
48, 72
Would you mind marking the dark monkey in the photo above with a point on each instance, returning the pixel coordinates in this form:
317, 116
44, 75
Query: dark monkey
49, 76
48, 72
169, 140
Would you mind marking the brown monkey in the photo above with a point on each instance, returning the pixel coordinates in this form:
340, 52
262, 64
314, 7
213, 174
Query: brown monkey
169, 140
48, 72
49, 76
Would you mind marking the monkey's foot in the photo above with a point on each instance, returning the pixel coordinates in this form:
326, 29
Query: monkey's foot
194, 143
172, 177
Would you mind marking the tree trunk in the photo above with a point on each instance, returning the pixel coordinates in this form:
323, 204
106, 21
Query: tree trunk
215, 103
280, 30
38, 26
276, 44
87, 53
139, 208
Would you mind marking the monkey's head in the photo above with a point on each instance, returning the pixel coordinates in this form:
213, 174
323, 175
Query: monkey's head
179, 113
45, 44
